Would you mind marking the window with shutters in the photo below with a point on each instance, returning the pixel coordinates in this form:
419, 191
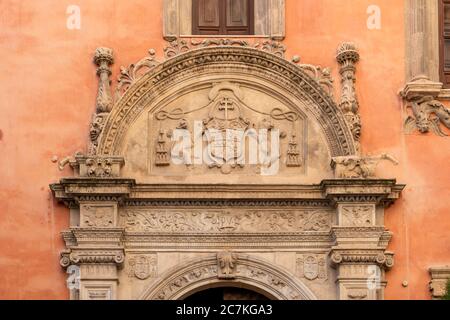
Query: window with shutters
232, 18
222, 17
445, 42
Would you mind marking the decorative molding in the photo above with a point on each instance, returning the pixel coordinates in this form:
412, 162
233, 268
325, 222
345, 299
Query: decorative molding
428, 114
382, 259
439, 279
98, 215
347, 57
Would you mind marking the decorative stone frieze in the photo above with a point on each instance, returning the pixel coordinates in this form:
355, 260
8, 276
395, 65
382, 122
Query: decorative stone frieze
440, 276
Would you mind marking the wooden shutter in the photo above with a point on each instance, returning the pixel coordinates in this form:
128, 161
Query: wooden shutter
222, 17
445, 42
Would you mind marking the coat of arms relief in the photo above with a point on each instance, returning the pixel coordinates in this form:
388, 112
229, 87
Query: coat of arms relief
230, 134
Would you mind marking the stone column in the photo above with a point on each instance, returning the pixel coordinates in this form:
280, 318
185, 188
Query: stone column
360, 239
347, 57
103, 58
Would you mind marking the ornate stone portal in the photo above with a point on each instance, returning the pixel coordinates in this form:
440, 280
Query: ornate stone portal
154, 218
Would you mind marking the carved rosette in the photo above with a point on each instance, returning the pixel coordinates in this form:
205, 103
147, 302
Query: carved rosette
347, 57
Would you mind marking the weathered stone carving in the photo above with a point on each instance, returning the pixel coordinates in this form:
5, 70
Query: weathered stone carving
134, 72
293, 158
427, 114
143, 266
312, 266
197, 273
357, 215
348, 56
357, 167
236, 59
439, 279
98, 216
103, 58
162, 156
226, 130
220, 221
94, 166
226, 265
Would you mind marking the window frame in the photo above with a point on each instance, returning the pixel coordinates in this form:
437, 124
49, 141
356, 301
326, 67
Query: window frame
223, 18
269, 20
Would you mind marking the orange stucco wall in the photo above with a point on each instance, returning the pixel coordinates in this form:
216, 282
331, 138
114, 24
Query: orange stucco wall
48, 89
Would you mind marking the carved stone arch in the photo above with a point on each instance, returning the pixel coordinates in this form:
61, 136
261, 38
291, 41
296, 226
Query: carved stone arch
243, 62
250, 272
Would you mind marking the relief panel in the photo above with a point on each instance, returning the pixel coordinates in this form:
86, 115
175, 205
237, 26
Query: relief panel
225, 221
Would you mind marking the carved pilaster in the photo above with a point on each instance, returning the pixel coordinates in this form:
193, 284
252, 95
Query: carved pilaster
360, 240
93, 256
103, 58
347, 57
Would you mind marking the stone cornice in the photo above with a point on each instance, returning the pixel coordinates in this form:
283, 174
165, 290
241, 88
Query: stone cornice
338, 190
